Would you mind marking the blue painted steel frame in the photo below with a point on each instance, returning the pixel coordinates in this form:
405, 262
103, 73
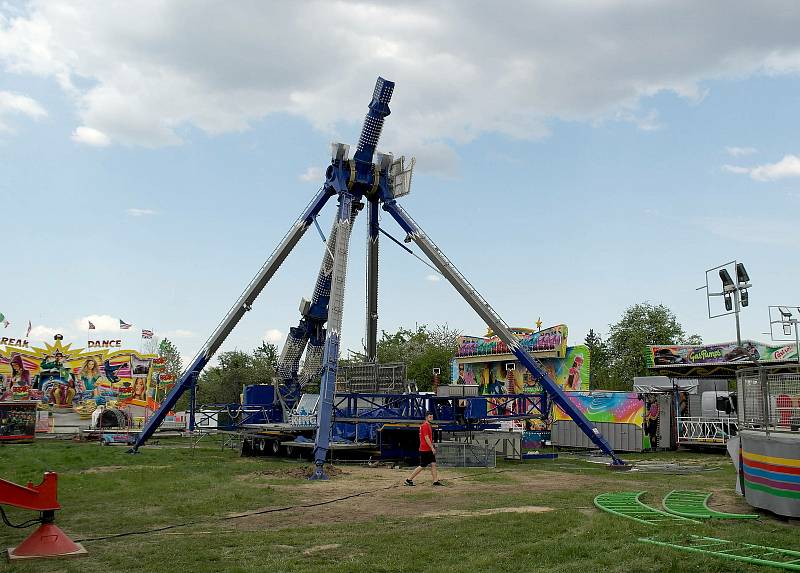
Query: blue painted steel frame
351, 180
330, 362
227, 324
399, 407
361, 177
493, 320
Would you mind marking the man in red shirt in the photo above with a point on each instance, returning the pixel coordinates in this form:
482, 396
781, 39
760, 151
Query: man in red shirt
427, 452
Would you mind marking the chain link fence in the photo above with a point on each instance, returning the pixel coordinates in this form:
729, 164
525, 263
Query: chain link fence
769, 399
461, 455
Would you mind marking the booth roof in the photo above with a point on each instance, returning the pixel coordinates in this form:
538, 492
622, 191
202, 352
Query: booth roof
662, 384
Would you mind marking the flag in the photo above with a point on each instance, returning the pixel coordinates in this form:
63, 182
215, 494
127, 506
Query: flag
28, 333
3, 320
124, 325
147, 333
91, 325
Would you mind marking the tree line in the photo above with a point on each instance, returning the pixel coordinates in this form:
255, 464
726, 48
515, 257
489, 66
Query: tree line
614, 362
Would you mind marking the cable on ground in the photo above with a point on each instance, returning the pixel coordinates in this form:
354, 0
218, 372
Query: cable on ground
262, 511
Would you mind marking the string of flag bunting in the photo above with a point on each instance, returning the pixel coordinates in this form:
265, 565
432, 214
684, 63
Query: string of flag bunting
146, 332
6, 323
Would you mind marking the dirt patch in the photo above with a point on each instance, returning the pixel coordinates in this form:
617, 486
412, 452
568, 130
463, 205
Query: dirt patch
378, 492
297, 472
360, 494
318, 548
728, 502
677, 468
491, 511
109, 469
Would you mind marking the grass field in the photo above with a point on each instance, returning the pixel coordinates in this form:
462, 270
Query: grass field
531, 516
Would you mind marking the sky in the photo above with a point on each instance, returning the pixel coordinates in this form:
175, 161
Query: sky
572, 159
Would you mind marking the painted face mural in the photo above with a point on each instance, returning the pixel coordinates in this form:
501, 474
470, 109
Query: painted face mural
495, 377
65, 376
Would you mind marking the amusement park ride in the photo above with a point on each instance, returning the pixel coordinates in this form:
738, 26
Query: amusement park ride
371, 180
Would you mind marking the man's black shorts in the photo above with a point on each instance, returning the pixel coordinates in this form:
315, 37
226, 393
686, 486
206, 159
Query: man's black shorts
426, 458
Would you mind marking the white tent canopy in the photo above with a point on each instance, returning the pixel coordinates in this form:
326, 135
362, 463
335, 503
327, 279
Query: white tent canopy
661, 384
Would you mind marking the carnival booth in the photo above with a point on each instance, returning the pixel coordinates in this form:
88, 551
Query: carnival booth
487, 363
620, 416
485, 366
767, 450
700, 380
70, 388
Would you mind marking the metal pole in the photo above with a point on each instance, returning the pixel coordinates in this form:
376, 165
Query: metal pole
797, 341
372, 282
736, 312
192, 402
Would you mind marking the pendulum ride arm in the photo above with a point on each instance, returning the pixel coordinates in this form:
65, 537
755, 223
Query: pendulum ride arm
493, 320
370, 133
309, 334
351, 180
235, 314
372, 282
331, 354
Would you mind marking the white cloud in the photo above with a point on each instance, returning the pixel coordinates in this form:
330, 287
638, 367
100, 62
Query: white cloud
789, 166
17, 104
133, 212
644, 121
735, 169
740, 151
273, 336
90, 136
101, 322
312, 174
177, 333
44, 333
433, 278
141, 73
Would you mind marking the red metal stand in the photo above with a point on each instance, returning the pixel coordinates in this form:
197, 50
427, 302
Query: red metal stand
48, 540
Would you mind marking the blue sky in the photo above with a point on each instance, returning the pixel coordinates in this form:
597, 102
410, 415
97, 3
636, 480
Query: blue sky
147, 173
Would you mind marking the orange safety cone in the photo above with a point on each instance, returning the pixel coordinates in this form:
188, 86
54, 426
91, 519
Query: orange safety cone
47, 541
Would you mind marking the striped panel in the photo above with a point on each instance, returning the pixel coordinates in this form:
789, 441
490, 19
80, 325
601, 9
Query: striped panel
793, 463
772, 467
772, 475
776, 476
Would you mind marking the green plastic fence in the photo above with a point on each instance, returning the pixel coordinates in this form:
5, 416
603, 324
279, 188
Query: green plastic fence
627, 504
694, 505
735, 550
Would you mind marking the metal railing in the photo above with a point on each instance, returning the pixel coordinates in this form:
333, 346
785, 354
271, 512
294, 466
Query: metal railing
461, 455
769, 399
698, 430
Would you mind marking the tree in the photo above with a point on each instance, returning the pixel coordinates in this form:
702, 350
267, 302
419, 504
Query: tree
599, 375
421, 350
173, 363
694, 339
222, 384
150, 345
268, 353
641, 324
